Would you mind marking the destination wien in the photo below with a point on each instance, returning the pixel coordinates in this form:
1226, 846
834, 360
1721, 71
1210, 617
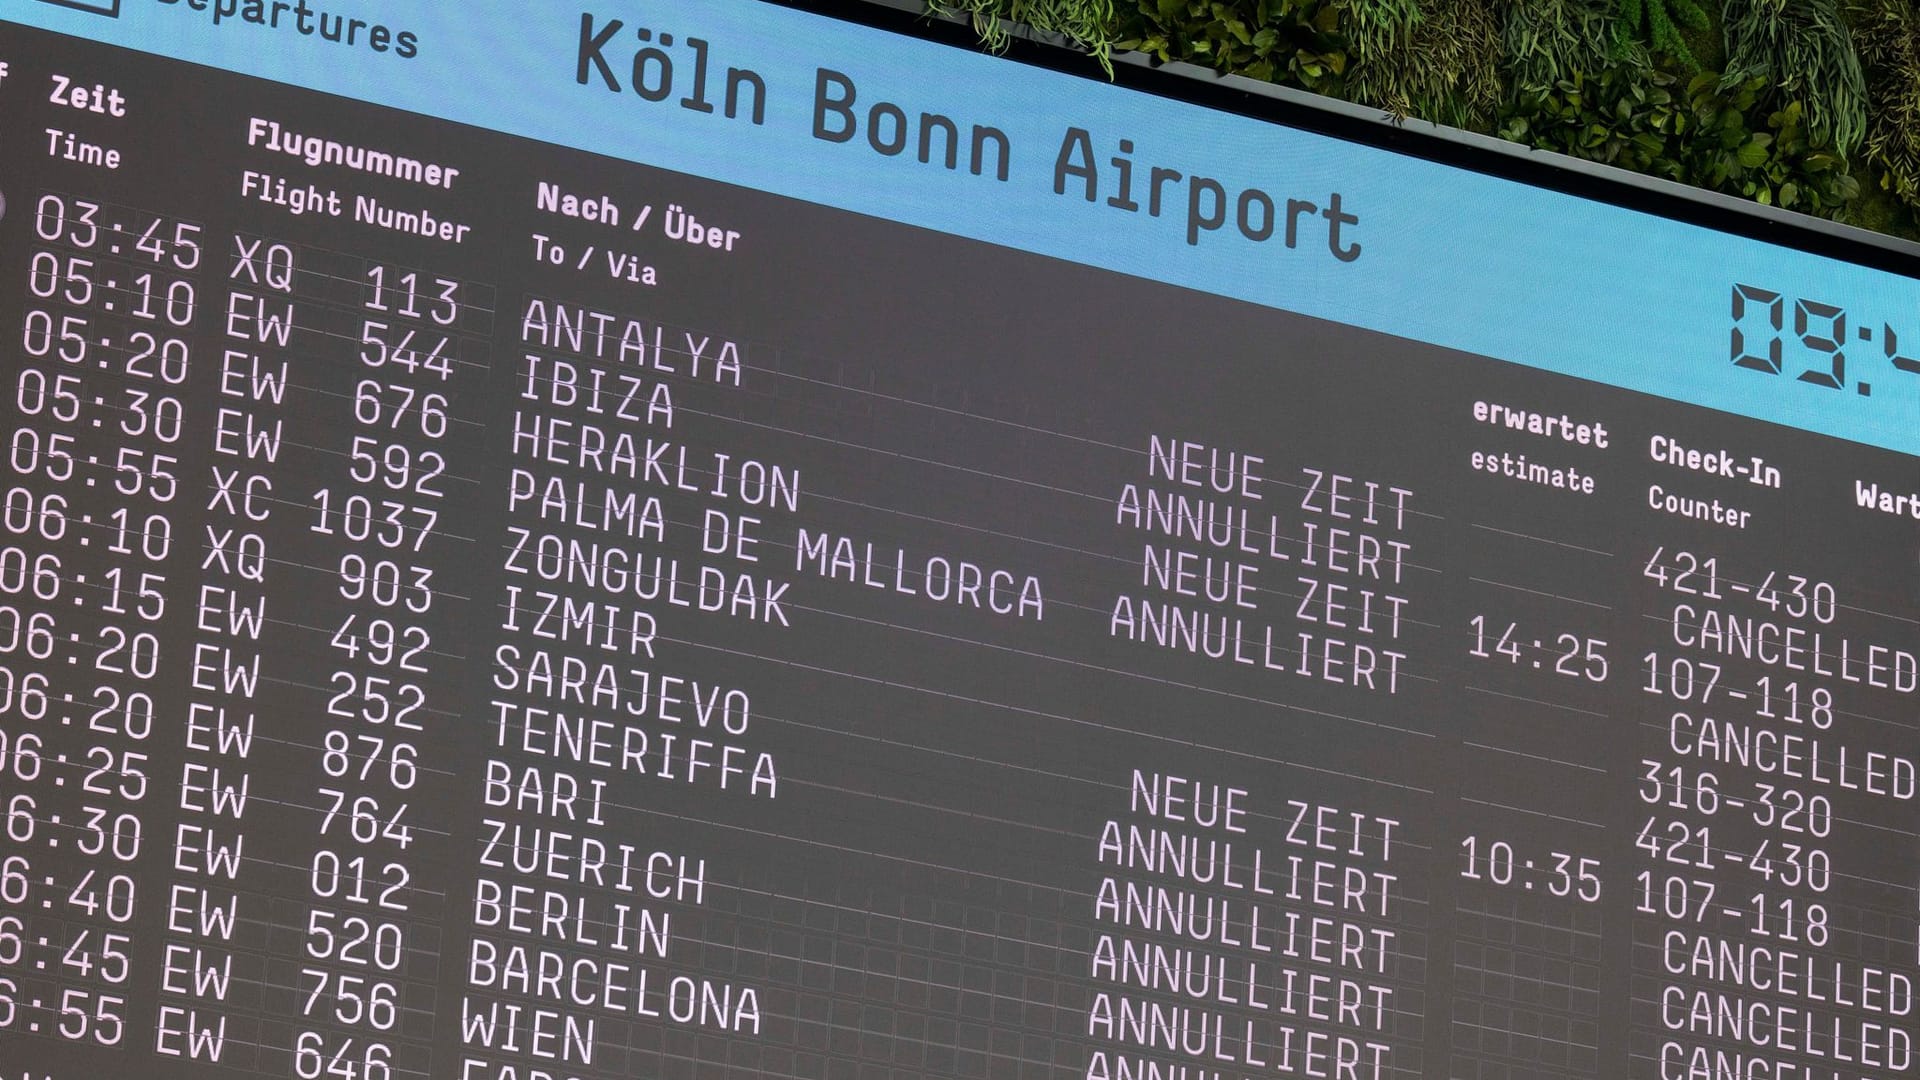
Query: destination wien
667, 66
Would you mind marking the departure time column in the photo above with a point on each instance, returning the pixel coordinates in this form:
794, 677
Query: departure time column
93, 504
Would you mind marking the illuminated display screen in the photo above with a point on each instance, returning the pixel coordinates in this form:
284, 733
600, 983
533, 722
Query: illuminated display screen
715, 540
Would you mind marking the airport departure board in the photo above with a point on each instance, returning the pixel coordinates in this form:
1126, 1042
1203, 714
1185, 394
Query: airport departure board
716, 540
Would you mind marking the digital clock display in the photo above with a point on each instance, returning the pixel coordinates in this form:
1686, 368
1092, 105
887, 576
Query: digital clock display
1819, 329
724, 540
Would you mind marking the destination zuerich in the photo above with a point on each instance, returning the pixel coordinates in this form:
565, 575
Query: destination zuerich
1240, 982
622, 339
586, 860
1239, 922
936, 577
1794, 648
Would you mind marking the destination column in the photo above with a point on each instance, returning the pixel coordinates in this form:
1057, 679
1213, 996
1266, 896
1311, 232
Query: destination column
628, 529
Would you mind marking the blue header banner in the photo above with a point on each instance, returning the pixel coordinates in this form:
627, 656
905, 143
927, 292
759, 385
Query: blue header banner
890, 126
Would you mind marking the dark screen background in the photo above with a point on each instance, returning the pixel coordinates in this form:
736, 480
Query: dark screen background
921, 895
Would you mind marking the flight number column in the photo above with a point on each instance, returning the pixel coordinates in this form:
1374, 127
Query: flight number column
379, 536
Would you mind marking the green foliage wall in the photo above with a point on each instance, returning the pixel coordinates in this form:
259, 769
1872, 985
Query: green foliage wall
1813, 105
